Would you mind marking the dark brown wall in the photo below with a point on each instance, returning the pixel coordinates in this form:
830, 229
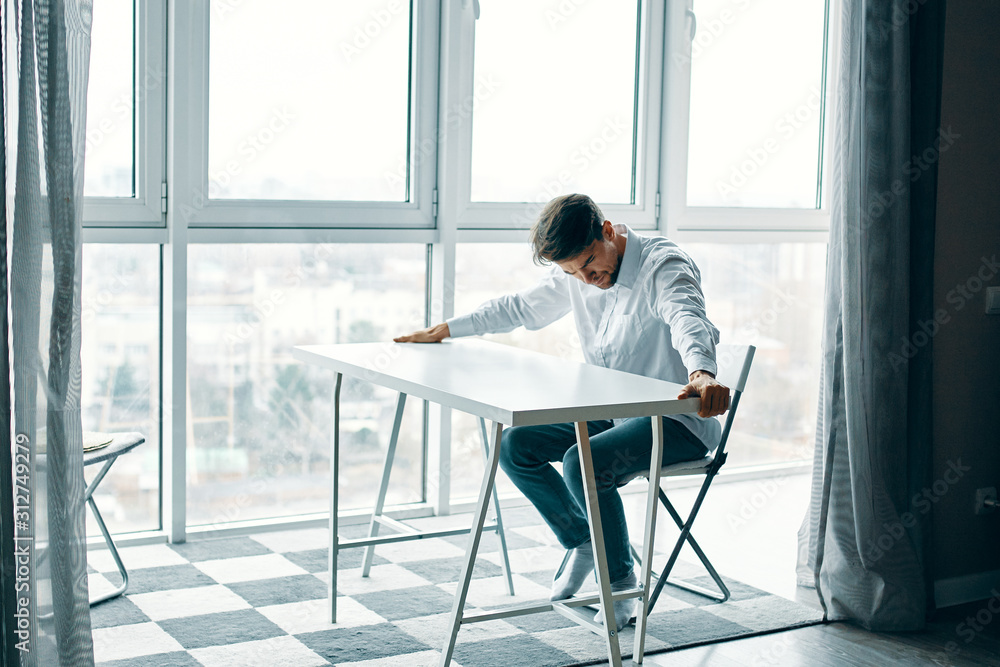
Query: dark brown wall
967, 346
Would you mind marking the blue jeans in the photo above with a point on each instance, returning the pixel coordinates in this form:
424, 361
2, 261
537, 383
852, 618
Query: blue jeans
527, 453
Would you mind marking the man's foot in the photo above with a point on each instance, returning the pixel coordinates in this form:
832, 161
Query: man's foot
624, 609
571, 576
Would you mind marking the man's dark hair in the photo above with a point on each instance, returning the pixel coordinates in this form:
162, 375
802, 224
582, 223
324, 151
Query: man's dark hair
567, 226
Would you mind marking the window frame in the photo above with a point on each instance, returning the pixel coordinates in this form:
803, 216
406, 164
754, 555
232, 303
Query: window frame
191, 197
513, 216
731, 224
149, 85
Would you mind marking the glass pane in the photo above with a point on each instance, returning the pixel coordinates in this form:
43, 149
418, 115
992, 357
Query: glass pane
554, 100
260, 420
309, 100
108, 171
484, 271
756, 94
771, 296
120, 356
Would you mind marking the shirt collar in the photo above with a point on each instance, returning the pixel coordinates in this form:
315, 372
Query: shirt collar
630, 261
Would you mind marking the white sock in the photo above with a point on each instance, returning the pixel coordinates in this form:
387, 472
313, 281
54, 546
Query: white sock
624, 609
571, 577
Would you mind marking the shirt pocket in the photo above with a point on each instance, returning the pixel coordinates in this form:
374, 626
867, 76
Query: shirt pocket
623, 340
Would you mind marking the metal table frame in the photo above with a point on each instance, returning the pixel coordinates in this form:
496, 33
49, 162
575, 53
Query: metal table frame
570, 608
405, 533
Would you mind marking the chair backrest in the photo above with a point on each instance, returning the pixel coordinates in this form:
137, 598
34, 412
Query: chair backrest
733, 366
733, 363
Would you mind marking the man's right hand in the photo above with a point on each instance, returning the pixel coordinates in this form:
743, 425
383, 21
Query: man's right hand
434, 334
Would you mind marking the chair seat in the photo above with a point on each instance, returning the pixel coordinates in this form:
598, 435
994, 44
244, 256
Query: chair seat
122, 443
695, 467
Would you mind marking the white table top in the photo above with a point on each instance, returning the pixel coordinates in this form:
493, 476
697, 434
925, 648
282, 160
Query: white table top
505, 384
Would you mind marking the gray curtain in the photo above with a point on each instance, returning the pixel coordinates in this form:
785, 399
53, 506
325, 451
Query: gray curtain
45, 96
864, 542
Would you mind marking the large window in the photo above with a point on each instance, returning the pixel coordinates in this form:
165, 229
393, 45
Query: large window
126, 116
562, 97
756, 103
110, 166
485, 271
308, 156
259, 421
771, 296
545, 128
309, 101
120, 350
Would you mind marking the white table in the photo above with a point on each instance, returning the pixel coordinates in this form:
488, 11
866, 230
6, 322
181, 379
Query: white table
512, 387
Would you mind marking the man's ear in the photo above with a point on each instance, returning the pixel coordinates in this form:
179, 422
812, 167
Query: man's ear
608, 231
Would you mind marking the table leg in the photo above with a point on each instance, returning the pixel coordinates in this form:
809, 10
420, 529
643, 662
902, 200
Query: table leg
476, 532
390, 454
334, 538
652, 501
597, 540
504, 558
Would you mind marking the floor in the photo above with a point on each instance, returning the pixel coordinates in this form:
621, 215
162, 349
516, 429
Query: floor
944, 642
749, 530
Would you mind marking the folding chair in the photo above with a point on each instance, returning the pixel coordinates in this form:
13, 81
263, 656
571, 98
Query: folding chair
733, 368
121, 443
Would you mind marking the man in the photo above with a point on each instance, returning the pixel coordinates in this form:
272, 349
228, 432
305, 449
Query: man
639, 308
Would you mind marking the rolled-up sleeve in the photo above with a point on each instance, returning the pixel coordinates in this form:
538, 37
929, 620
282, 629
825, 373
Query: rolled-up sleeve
679, 301
533, 308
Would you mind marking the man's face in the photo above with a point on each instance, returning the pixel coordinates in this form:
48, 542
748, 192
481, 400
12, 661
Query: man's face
598, 265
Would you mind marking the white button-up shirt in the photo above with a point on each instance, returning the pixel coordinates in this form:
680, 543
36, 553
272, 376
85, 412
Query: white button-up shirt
651, 322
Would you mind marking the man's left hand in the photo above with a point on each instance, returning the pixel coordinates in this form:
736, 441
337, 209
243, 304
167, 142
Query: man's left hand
714, 396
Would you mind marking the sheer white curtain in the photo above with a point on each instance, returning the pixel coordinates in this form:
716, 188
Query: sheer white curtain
45, 94
864, 542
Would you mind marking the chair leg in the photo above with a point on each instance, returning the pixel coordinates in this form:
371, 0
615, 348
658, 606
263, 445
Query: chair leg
89, 496
686, 536
504, 559
383, 489
114, 554
724, 594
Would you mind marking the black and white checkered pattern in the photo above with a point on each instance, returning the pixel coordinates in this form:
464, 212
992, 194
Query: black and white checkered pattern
261, 600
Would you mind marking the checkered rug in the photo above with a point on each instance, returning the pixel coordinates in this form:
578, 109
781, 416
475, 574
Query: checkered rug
261, 600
